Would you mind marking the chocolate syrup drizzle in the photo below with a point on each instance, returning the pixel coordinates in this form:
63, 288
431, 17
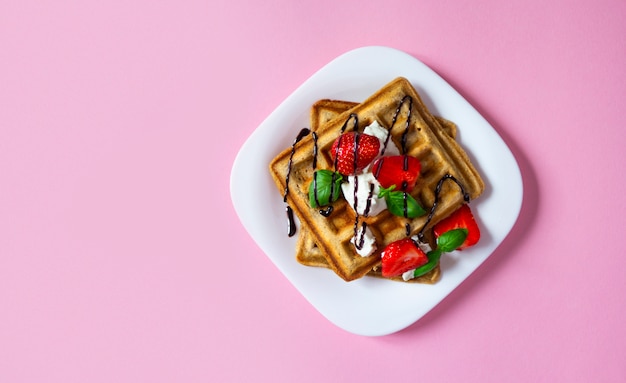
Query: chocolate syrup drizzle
409, 100
360, 242
328, 209
291, 224
314, 150
359, 239
466, 198
355, 118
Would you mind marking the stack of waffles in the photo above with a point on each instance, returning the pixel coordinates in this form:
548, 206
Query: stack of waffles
327, 240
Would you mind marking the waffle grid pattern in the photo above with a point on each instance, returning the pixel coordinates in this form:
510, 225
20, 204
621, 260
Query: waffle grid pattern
426, 140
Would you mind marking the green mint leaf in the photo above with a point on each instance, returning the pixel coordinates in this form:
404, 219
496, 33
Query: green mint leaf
433, 260
403, 204
451, 240
382, 192
323, 184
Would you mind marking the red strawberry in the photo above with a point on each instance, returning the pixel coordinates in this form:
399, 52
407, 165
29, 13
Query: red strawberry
401, 256
401, 171
367, 148
462, 218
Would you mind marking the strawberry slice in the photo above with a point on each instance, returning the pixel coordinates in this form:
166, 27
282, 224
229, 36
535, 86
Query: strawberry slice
401, 256
346, 146
462, 218
401, 171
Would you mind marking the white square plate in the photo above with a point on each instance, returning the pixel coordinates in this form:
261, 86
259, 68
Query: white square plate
372, 306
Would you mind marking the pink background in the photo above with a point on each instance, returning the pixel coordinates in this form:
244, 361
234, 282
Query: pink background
122, 259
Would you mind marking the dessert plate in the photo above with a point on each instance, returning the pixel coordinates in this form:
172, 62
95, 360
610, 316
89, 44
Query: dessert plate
371, 306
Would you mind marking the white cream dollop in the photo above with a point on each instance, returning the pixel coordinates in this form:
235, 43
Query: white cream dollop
408, 275
376, 130
369, 242
363, 183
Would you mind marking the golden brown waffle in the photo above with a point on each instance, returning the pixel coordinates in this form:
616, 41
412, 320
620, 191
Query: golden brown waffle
439, 154
325, 110
307, 252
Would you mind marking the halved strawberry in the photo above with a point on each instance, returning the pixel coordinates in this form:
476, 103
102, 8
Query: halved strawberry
346, 146
401, 256
401, 171
462, 218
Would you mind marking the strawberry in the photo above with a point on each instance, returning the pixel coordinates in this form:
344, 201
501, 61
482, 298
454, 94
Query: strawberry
343, 152
401, 171
462, 218
401, 256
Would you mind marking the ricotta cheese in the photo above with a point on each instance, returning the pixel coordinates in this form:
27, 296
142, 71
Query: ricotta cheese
369, 242
363, 183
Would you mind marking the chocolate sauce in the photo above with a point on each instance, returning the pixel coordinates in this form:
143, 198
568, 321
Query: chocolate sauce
405, 164
361, 240
380, 166
368, 205
291, 224
405, 204
354, 117
408, 121
332, 193
446, 177
355, 125
315, 198
355, 161
407, 226
314, 150
405, 100
332, 190
408, 99
358, 244
326, 212
303, 133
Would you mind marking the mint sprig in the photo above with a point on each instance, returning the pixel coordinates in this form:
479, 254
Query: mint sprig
400, 203
324, 183
446, 243
433, 259
451, 240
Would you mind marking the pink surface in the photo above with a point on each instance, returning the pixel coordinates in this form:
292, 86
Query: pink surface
121, 257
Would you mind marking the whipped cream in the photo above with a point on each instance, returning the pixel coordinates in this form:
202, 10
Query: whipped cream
408, 275
364, 181
376, 130
369, 242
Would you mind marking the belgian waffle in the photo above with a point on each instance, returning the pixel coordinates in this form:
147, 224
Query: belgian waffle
307, 252
425, 138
